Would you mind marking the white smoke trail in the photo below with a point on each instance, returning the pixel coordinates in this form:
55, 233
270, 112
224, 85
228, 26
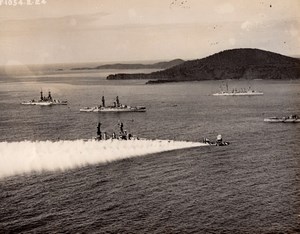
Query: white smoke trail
26, 156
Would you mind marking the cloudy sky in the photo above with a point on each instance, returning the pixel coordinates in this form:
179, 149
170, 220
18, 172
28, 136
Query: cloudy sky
131, 30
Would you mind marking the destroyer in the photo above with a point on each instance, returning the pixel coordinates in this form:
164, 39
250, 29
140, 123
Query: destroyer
45, 101
116, 107
289, 119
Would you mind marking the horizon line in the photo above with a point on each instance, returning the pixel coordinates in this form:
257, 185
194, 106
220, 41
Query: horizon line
133, 61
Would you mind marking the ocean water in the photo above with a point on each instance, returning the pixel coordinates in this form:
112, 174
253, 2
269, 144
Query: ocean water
250, 186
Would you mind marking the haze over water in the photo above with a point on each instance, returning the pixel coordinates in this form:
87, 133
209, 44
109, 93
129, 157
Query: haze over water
251, 186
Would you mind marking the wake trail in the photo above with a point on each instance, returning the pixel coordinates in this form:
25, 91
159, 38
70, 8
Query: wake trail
26, 156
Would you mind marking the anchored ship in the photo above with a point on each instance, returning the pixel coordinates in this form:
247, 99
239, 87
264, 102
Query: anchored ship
116, 107
288, 119
236, 92
45, 101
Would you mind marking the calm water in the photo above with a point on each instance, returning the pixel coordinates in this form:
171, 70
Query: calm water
251, 186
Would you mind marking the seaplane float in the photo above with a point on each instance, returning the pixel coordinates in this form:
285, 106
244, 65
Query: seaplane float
218, 142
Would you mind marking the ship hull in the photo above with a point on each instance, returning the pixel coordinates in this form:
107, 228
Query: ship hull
239, 94
281, 120
37, 103
101, 109
45, 103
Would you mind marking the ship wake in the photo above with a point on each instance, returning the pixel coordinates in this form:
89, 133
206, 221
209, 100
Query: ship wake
25, 157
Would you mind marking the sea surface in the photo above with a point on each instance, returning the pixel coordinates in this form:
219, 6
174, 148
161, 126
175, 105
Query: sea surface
250, 186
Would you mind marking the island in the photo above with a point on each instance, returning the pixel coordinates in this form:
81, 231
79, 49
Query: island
244, 63
126, 66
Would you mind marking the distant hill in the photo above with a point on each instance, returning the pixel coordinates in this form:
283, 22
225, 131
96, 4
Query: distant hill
228, 64
160, 65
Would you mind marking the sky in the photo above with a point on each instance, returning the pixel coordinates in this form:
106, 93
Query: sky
80, 31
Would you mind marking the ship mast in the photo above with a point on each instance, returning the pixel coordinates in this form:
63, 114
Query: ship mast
49, 96
103, 101
99, 131
117, 100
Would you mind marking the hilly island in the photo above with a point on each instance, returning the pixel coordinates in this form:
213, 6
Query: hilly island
229, 64
159, 65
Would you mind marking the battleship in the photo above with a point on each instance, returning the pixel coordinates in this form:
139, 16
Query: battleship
116, 107
45, 101
125, 135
